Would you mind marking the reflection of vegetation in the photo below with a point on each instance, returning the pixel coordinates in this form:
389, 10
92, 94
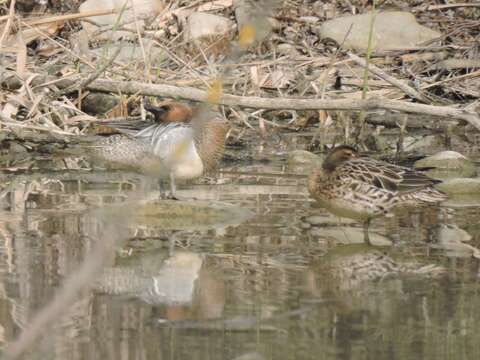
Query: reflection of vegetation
272, 272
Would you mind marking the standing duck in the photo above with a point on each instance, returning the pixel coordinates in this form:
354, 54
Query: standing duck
182, 143
363, 188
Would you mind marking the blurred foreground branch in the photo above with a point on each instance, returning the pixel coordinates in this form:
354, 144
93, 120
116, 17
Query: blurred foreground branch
79, 281
189, 93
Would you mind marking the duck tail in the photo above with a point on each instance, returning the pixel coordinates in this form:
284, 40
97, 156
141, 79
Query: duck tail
429, 195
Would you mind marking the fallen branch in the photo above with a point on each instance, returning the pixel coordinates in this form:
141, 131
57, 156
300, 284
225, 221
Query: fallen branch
188, 93
131, 87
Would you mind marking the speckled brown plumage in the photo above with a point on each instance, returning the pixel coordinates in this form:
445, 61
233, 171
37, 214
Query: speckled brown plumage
363, 188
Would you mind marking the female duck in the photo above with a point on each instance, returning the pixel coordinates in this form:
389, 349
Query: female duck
364, 188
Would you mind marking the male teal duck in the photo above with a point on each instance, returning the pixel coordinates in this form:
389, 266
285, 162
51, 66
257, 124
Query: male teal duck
362, 188
182, 143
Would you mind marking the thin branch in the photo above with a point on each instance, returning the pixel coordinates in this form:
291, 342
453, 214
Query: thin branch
93, 76
11, 15
382, 74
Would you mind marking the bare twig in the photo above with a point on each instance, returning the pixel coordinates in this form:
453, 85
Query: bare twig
450, 6
6, 29
382, 74
48, 20
457, 78
93, 76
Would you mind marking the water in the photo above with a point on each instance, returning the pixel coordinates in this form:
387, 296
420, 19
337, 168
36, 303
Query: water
284, 280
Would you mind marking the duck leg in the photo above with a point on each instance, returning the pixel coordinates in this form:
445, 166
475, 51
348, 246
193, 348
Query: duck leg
366, 237
173, 187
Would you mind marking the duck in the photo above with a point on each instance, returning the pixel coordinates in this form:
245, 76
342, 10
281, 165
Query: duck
362, 188
181, 143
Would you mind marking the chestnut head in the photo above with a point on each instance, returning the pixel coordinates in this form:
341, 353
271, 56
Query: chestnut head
170, 112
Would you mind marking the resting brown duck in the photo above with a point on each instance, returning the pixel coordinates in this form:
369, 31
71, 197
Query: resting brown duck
362, 188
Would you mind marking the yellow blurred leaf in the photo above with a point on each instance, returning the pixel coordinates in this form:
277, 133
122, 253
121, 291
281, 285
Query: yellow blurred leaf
215, 91
246, 36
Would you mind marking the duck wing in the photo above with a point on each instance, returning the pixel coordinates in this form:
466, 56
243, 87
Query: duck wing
169, 141
385, 176
127, 127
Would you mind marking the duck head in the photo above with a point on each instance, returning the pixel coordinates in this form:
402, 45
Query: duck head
170, 112
338, 155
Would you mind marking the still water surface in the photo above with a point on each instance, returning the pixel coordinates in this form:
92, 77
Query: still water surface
274, 277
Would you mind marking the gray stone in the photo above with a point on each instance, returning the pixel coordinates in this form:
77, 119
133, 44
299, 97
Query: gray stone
451, 239
460, 186
203, 25
309, 19
421, 144
132, 53
448, 161
287, 49
131, 17
347, 235
302, 157
250, 356
395, 30
459, 201
16, 148
99, 103
327, 220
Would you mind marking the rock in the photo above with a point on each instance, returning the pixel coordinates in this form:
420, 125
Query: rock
309, 19
322, 10
451, 64
287, 49
253, 20
420, 144
16, 148
448, 161
250, 356
99, 103
130, 19
346, 235
460, 186
204, 26
450, 239
183, 215
395, 30
26, 5
459, 201
303, 157
131, 53
327, 220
